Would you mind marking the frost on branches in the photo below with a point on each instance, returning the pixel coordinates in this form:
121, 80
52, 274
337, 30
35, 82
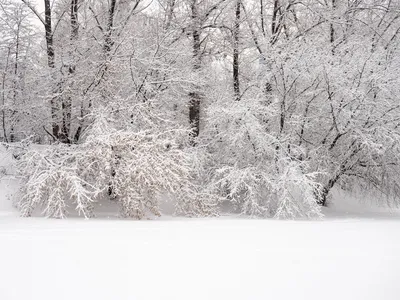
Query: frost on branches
129, 155
344, 113
253, 168
286, 104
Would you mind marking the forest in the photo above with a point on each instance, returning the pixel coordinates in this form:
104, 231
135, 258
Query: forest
261, 106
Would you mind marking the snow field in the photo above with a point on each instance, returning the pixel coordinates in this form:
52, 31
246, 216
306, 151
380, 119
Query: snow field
199, 259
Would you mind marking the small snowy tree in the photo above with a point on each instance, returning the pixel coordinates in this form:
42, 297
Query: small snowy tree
252, 165
128, 154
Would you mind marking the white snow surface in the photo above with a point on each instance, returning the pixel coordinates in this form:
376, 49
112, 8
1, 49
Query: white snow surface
199, 259
352, 254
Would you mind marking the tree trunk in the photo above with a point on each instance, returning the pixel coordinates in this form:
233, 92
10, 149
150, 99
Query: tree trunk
274, 23
262, 17
108, 42
322, 197
3, 88
15, 84
51, 65
67, 103
49, 34
332, 28
236, 39
195, 96
107, 47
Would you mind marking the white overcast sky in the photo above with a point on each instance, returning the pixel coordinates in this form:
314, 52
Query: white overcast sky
39, 4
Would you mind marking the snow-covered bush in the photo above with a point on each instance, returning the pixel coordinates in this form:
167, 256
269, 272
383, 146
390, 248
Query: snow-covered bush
253, 167
51, 178
125, 156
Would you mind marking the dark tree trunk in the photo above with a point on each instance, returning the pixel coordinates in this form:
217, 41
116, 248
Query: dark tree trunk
108, 41
274, 23
236, 39
51, 65
49, 34
194, 115
74, 20
3, 85
332, 28
195, 96
323, 195
15, 84
67, 103
262, 17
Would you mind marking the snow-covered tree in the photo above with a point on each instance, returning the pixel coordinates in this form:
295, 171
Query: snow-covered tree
268, 104
129, 155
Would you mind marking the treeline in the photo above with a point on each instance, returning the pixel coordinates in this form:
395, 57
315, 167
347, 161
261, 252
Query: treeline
265, 104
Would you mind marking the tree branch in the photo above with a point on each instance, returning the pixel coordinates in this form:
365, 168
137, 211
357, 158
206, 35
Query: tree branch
33, 9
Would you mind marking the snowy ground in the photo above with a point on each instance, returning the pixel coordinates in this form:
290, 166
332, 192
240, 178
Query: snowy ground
349, 255
200, 259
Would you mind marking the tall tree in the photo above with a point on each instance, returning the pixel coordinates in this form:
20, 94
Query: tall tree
55, 106
236, 50
202, 16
